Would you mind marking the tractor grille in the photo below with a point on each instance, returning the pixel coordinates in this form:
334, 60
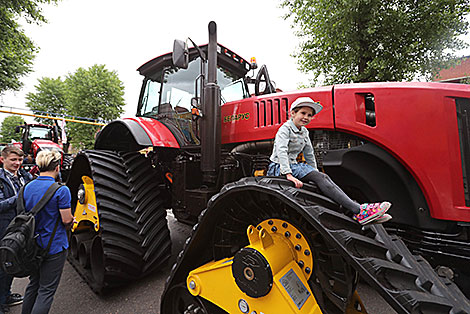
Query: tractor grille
271, 111
324, 141
463, 119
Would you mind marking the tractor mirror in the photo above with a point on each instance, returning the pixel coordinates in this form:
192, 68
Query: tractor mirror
180, 54
263, 84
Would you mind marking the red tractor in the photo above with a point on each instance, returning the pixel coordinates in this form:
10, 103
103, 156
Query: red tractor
200, 145
37, 137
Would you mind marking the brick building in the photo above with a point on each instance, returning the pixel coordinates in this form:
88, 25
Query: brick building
456, 73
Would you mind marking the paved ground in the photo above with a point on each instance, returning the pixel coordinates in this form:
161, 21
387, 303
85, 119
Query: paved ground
74, 296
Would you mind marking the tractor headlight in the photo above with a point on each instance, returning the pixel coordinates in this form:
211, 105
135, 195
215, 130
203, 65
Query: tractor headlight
81, 194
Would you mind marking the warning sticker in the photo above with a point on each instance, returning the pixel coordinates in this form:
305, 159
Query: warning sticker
92, 208
295, 288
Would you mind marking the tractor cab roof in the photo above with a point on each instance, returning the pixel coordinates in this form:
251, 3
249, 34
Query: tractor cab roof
226, 59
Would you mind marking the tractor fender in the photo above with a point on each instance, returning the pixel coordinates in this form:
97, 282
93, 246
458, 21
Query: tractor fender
367, 173
132, 134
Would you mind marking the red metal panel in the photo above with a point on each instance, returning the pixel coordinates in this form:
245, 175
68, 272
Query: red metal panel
417, 123
158, 133
257, 118
44, 144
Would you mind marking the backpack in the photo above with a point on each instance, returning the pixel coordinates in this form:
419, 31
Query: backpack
20, 255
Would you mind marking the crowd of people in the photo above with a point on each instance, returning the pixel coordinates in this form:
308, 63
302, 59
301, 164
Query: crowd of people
43, 284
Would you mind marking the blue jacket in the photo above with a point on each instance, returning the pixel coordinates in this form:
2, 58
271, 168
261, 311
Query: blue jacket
8, 198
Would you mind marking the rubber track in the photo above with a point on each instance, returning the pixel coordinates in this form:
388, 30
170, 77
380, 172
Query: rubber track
407, 282
133, 224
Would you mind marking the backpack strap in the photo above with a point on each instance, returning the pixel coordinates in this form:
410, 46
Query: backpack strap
52, 236
42, 202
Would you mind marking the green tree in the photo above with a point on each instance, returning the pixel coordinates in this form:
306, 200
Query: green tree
17, 51
94, 93
9, 125
373, 40
50, 97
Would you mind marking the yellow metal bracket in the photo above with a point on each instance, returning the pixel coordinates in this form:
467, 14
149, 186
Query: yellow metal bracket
88, 211
283, 247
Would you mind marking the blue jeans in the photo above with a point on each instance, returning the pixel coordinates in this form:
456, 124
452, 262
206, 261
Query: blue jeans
42, 285
299, 170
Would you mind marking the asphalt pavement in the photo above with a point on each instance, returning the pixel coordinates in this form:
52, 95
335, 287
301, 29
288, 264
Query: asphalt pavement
75, 297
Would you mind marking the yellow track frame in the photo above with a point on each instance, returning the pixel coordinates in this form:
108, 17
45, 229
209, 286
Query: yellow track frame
214, 281
88, 211
290, 260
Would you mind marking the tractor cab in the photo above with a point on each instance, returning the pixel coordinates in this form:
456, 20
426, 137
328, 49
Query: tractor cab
173, 94
35, 136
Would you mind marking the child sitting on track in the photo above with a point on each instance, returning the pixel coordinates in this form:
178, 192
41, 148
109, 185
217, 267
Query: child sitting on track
291, 139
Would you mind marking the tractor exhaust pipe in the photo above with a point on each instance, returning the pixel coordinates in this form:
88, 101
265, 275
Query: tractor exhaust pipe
210, 124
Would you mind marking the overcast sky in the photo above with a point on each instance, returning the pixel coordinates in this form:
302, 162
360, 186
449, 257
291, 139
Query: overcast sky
125, 34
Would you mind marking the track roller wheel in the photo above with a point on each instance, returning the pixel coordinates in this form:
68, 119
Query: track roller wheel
184, 302
76, 239
122, 231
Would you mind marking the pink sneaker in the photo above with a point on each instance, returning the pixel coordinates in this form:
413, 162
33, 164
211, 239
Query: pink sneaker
371, 211
382, 219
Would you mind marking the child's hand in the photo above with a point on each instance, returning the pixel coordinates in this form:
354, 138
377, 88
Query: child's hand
298, 184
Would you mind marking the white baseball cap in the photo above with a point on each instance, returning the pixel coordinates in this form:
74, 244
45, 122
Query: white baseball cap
306, 102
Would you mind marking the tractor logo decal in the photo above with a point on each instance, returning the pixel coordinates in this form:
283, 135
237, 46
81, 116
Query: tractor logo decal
237, 117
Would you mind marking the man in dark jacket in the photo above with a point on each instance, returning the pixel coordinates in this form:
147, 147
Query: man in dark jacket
12, 178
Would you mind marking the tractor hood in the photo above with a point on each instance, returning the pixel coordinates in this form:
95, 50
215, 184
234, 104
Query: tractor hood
45, 144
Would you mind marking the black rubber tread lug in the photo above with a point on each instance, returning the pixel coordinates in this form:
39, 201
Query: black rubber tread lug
109, 217
156, 244
105, 177
108, 178
143, 182
116, 256
153, 234
104, 157
150, 188
106, 164
150, 223
157, 261
382, 260
148, 211
117, 241
145, 203
131, 235
105, 203
129, 218
110, 196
